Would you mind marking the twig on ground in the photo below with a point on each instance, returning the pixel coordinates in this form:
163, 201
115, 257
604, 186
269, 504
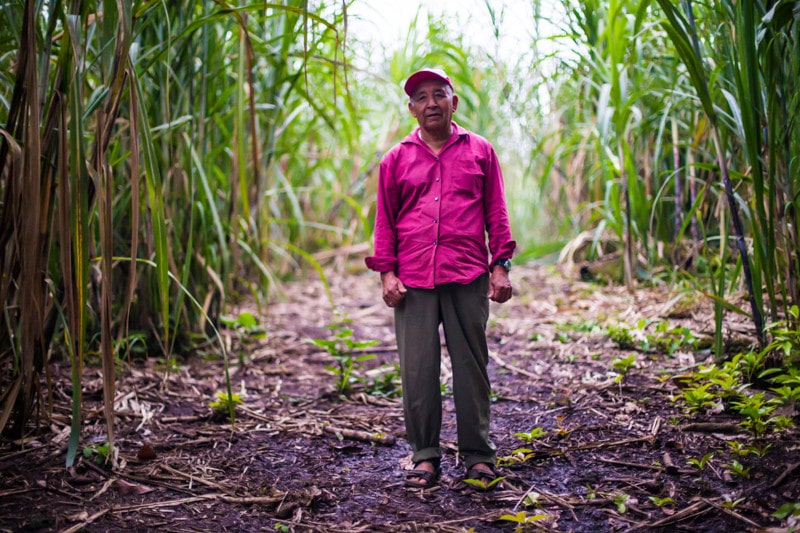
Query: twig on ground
513, 368
365, 436
786, 473
632, 465
594, 445
712, 427
192, 478
550, 497
731, 512
80, 526
695, 509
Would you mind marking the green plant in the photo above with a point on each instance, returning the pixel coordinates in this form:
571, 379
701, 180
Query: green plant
384, 381
728, 379
623, 365
731, 503
738, 469
755, 408
743, 450
168, 364
517, 456
787, 509
245, 323
532, 435
668, 339
780, 422
522, 519
102, 453
563, 338
786, 336
621, 336
620, 499
660, 502
531, 499
749, 363
698, 397
344, 349
225, 404
581, 326
482, 485
701, 463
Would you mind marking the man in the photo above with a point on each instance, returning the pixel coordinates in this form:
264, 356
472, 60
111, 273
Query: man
440, 192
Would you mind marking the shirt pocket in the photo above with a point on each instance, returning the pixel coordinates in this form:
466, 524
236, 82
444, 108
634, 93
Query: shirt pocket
466, 179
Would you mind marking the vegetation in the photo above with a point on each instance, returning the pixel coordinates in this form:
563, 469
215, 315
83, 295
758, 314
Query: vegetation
345, 350
161, 160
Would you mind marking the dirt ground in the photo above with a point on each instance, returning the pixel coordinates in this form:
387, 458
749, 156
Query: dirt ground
605, 453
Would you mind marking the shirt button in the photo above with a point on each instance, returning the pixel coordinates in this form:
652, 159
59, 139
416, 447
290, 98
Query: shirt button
437, 179
435, 220
435, 198
434, 243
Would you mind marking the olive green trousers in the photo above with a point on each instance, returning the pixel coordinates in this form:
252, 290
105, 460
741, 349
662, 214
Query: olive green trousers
463, 311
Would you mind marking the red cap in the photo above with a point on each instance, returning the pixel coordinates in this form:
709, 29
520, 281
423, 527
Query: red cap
425, 74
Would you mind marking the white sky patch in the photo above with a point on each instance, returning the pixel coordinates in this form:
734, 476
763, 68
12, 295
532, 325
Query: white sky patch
386, 22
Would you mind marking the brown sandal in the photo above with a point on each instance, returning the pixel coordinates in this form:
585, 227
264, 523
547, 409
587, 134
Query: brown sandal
422, 479
479, 476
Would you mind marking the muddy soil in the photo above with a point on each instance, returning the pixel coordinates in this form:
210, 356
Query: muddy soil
585, 445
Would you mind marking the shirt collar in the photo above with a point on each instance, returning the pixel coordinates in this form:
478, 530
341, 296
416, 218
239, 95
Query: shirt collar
413, 137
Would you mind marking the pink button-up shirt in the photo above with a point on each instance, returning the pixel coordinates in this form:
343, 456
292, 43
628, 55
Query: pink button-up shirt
435, 210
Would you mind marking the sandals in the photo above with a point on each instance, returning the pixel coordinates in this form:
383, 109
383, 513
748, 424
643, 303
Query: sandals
483, 481
422, 479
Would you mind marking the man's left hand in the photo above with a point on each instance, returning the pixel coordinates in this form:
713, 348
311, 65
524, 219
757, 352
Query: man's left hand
499, 285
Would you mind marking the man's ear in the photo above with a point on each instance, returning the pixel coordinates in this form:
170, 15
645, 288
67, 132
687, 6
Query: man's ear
411, 110
455, 101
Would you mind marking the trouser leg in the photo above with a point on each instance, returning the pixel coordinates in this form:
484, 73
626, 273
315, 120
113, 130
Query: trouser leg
465, 312
417, 328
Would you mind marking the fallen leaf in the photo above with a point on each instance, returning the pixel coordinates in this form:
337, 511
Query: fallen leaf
126, 488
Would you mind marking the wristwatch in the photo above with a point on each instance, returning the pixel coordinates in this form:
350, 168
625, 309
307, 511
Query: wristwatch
505, 263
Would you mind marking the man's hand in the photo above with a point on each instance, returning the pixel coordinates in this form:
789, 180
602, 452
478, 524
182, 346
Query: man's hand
393, 289
499, 285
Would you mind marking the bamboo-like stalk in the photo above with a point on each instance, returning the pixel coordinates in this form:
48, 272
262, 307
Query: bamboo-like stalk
683, 35
114, 110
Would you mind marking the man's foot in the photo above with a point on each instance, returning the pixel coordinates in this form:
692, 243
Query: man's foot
484, 474
424, 475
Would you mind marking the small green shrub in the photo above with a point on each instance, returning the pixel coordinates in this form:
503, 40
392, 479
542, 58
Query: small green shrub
344, 349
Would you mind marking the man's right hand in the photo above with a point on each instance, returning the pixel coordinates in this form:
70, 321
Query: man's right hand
393, 289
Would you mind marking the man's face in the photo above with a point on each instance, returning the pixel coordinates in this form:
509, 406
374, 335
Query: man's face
433, 104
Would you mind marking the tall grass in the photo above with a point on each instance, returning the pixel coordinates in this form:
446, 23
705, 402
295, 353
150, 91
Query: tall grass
152, 150
665, 90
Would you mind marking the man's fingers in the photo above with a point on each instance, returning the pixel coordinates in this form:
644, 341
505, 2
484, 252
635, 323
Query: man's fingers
500, 294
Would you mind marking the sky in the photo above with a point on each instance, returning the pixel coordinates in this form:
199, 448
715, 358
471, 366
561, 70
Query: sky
387, 21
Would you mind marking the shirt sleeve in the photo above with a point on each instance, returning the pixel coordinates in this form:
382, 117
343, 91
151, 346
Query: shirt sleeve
501, 245
388, 204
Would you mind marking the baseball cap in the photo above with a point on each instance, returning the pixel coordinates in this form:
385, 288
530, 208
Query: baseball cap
425, 74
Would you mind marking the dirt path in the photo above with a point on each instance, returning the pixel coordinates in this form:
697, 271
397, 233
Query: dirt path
607, 450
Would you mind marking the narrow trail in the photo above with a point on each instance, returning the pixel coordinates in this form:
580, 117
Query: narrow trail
588, 434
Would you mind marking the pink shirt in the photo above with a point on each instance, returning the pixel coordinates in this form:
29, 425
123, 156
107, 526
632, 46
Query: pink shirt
434, 211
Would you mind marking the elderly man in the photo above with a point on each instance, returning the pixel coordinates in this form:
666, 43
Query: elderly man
440, 193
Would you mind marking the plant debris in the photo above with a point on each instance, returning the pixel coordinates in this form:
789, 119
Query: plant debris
589, 436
